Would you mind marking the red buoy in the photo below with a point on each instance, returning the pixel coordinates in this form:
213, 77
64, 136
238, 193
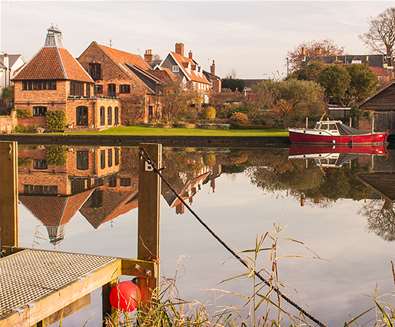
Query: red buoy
125, 296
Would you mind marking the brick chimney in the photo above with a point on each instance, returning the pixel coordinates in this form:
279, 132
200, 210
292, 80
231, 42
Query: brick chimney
212, 68
148, 56
190, 55
180, 48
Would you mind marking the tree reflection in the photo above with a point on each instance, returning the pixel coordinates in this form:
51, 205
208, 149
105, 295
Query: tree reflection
381, 218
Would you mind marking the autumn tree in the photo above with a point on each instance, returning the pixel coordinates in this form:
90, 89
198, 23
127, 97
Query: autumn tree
381, 34
312, 50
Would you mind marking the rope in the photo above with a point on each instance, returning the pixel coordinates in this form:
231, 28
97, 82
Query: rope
144, 155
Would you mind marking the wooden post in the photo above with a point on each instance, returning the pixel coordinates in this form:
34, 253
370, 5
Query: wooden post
107, 309
8, 194
373, 127
148, 217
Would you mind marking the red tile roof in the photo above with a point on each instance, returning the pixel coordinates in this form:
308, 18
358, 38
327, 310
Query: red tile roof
54, 210
123, 57
192, 75
165, 75
53, 63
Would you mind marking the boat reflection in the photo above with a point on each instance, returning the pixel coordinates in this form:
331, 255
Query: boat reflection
334, 156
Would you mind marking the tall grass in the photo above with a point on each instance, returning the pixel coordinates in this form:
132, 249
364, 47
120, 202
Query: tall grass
262, 306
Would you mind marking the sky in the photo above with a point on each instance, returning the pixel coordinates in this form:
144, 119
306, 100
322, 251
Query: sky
250, 38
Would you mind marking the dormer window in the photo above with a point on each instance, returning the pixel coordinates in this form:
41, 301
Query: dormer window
175, 69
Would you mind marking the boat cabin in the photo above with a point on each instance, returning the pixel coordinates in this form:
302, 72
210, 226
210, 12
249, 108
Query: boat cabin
330, 126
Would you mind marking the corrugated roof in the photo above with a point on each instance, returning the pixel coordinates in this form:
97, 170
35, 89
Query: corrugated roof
53, 63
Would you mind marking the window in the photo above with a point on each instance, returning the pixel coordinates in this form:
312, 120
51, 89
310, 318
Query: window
82, 116
98, 89
124, 88
38, 85
102, 159
40, 164
87, 90
175, 69
109, 116
116, 156
102, 116
112, 182
76, 88
116, 115
39, 111
109, 158
82, 160
125, 182
112, 90
150, 112
95, 71
40, 189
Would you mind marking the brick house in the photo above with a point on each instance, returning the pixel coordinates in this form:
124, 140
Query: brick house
127, 76
215, 80
55, 81
188, 71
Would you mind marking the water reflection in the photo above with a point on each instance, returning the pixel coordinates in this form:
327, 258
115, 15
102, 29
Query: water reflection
56, 182
341, 209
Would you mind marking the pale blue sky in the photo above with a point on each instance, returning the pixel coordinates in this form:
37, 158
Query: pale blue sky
252, 38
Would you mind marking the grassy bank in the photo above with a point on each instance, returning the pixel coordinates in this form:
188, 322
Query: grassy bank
154, 131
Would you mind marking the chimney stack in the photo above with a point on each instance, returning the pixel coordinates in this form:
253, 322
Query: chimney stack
212, 68
148, 56
180, 48
190, 56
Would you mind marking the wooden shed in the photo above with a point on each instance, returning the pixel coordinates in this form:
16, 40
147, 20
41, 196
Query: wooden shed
382, 108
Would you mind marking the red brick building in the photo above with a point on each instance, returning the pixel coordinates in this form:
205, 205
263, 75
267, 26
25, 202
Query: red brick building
55, 81
127, 76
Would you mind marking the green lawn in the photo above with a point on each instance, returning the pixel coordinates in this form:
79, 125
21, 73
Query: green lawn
154, 131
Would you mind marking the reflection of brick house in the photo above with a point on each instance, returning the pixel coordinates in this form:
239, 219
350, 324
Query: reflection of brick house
127, 76
54, 81
54, 192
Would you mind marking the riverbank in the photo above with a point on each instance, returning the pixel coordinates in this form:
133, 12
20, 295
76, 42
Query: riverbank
177, 137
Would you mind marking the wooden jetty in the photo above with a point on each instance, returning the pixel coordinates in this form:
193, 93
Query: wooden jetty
36, 284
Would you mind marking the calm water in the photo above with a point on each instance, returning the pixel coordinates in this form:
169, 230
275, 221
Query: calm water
85, 199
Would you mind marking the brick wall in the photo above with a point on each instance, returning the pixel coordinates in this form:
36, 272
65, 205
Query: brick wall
7, 123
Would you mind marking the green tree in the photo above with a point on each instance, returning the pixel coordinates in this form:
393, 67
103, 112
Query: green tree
233, 83
336, 80
363, 83
309, 72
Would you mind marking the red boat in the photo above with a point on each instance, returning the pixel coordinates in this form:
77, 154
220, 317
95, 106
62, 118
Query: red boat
310, 149
335, 132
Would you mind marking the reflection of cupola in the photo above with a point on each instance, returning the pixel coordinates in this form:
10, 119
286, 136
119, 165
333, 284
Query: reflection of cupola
54, 38
56, 234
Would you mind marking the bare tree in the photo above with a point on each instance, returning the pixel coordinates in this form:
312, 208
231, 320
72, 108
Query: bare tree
381, 34
312, 50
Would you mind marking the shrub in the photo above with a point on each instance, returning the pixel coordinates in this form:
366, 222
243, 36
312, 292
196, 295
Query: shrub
25, 129
56, 121
239, 118
210, 113
56, 155
23, 113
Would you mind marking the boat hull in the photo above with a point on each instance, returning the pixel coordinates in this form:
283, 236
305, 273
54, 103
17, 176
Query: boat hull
306, 137
309, 149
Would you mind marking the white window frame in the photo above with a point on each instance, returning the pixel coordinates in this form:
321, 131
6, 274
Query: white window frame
175, 69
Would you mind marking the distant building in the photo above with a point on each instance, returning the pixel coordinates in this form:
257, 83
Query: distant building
377, 64
188, 71
53, 80
9, 66
125, 75
215, 81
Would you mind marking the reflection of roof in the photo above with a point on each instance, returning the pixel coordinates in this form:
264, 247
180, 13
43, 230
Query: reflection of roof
54, 210
384, 183
53, 63
113, 204
192, 75
171, 198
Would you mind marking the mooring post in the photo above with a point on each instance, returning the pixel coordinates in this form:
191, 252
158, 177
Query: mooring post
8, 195
148, 216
